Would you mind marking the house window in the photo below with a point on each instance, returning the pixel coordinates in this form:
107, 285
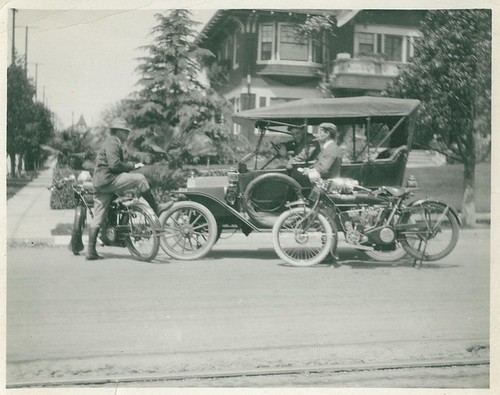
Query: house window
317, 54
366, 42
278, 42
292, 47
236, 50
262, 101
393, 47
266, 42
411, 42
396, 43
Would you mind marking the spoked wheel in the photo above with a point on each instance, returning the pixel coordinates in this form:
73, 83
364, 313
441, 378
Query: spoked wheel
143, 238
76, 244
301, 239
432, 231
189, 231
387, 256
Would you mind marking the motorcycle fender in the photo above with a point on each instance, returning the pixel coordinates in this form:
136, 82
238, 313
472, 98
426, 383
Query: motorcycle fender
295, 203
453, 211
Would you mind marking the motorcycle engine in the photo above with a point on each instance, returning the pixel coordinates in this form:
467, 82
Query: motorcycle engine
366, 217
360, 220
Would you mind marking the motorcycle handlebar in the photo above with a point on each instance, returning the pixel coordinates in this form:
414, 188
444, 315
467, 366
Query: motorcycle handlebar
60, 183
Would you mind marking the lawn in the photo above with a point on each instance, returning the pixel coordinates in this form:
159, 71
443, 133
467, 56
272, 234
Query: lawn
14, 185
446, 183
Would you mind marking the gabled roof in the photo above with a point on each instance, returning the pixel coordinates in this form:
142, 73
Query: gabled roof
81, 122
342, 16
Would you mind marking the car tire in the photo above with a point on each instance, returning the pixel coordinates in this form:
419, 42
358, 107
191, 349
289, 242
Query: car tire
266, 218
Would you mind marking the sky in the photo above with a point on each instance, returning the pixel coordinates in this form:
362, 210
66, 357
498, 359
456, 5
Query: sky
84, 60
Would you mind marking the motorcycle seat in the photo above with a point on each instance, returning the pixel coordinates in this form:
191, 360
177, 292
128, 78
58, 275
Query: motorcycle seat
395, 191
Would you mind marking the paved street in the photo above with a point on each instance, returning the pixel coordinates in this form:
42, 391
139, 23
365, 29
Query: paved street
240, 308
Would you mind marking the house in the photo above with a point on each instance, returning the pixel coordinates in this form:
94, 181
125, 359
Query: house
266, 63
81, 126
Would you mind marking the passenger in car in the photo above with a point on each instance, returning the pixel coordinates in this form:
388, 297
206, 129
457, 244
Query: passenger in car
329, 160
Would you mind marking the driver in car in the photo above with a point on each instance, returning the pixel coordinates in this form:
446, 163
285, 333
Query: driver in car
304, 148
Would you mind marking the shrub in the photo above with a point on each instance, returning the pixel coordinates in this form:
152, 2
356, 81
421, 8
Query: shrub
162, 179
62, 199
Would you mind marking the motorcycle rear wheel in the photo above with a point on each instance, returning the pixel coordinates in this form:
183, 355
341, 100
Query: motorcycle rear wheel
387, 256
300, 245
76, 243
143, 239
436, 231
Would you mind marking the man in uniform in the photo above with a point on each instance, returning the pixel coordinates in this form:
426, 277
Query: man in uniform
111, 175
304, 147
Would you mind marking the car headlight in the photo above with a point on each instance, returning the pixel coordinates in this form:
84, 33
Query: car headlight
232, 177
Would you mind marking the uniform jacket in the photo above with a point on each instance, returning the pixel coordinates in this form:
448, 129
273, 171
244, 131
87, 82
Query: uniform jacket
109, 163
329, 161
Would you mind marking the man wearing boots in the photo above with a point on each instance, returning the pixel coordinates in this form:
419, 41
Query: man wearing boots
111, 175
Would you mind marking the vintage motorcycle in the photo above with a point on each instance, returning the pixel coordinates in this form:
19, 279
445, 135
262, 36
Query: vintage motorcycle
130, 223
375, 221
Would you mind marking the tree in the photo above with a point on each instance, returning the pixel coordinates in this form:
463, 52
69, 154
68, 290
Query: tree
39, 130
19, 104
175, 107
451, 75
320, 28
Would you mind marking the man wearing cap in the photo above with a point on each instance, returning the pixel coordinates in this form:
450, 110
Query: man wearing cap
111, 175
329, 159
304, 147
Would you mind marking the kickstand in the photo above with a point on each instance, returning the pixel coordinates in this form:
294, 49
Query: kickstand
417, 262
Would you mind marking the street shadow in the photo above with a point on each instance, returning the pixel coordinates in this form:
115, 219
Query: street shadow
357, 260
263, 253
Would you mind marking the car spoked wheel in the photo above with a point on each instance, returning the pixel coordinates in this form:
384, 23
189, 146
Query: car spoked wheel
188, 230
302, 240
142, 240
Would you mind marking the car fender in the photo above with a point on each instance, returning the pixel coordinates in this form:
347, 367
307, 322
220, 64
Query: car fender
218, 208
453, 211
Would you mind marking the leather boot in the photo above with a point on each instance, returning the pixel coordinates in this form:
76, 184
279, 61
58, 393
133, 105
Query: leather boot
157, 208
92, 254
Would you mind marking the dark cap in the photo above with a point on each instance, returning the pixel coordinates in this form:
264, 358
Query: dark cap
330, 128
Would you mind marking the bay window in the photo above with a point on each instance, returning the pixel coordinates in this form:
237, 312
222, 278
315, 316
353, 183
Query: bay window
292, 47
266, 42
278, 42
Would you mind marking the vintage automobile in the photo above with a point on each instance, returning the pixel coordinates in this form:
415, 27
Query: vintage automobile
375, 133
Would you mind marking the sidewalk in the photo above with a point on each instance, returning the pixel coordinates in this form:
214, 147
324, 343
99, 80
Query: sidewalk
30, 218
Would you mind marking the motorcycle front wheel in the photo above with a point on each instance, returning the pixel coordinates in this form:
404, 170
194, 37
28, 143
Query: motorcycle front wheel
142, 239
303, 241
76, 243
432, 231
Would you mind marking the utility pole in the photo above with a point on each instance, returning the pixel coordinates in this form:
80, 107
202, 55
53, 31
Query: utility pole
14, 36
26, 52
36, 81
43, 96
